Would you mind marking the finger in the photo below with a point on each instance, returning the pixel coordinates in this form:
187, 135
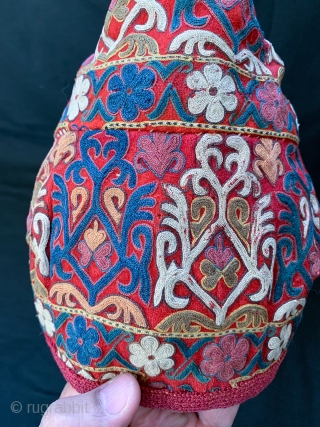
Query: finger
111, 405
68, 391
219, 417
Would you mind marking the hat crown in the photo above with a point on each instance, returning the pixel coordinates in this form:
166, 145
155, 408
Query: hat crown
227, 29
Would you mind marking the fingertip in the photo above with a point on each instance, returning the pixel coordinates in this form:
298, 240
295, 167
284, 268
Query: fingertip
120, 396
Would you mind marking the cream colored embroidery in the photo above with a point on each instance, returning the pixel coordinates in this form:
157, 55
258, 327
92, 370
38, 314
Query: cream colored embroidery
289, 309
45, 318
213, 93
152, 357
40, 248
201, 38
305, 213
246, 183
79, 100
278, 345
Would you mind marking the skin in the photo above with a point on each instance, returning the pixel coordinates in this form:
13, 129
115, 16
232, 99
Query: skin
116, 404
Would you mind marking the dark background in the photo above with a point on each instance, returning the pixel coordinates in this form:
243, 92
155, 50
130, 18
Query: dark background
42, 44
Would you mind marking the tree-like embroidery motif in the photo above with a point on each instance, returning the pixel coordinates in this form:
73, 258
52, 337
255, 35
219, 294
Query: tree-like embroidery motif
178, 221
100, 237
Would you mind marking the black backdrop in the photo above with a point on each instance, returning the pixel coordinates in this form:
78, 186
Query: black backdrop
42, 43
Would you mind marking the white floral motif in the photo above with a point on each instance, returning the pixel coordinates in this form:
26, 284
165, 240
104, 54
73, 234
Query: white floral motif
277, 345
213, 93
152, 357
79, 101
45, 318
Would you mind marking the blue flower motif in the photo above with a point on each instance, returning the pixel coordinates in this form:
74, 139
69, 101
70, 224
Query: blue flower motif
82, 341
131, 91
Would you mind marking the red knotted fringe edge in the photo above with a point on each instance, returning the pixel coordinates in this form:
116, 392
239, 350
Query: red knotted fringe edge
182, 400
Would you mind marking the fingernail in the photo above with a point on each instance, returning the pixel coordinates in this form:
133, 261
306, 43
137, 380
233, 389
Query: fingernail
115, 394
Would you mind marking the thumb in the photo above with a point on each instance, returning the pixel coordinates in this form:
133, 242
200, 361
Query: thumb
112, 405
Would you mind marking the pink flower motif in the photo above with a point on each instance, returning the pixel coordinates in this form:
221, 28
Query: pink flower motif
219, 255
225, 359
159, 152
273, 105
315, 264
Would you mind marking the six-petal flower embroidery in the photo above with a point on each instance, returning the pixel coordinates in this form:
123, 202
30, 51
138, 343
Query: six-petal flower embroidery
131, 91
226, 359
81, 341
277, 345
45, 318
273, 105
212, 92
152, 357
79, 100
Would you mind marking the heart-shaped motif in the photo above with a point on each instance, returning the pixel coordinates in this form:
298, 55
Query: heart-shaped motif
112, 208
86, 254
219, 255
94, 237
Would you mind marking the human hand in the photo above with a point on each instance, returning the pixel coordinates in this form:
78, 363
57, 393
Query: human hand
116, 404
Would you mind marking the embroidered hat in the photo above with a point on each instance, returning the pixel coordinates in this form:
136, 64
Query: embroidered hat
174, 231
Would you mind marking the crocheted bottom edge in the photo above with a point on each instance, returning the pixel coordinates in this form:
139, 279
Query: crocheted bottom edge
182, 401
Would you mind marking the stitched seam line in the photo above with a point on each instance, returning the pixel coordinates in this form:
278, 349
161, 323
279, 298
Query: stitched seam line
175, 123
141, 331
185, 58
